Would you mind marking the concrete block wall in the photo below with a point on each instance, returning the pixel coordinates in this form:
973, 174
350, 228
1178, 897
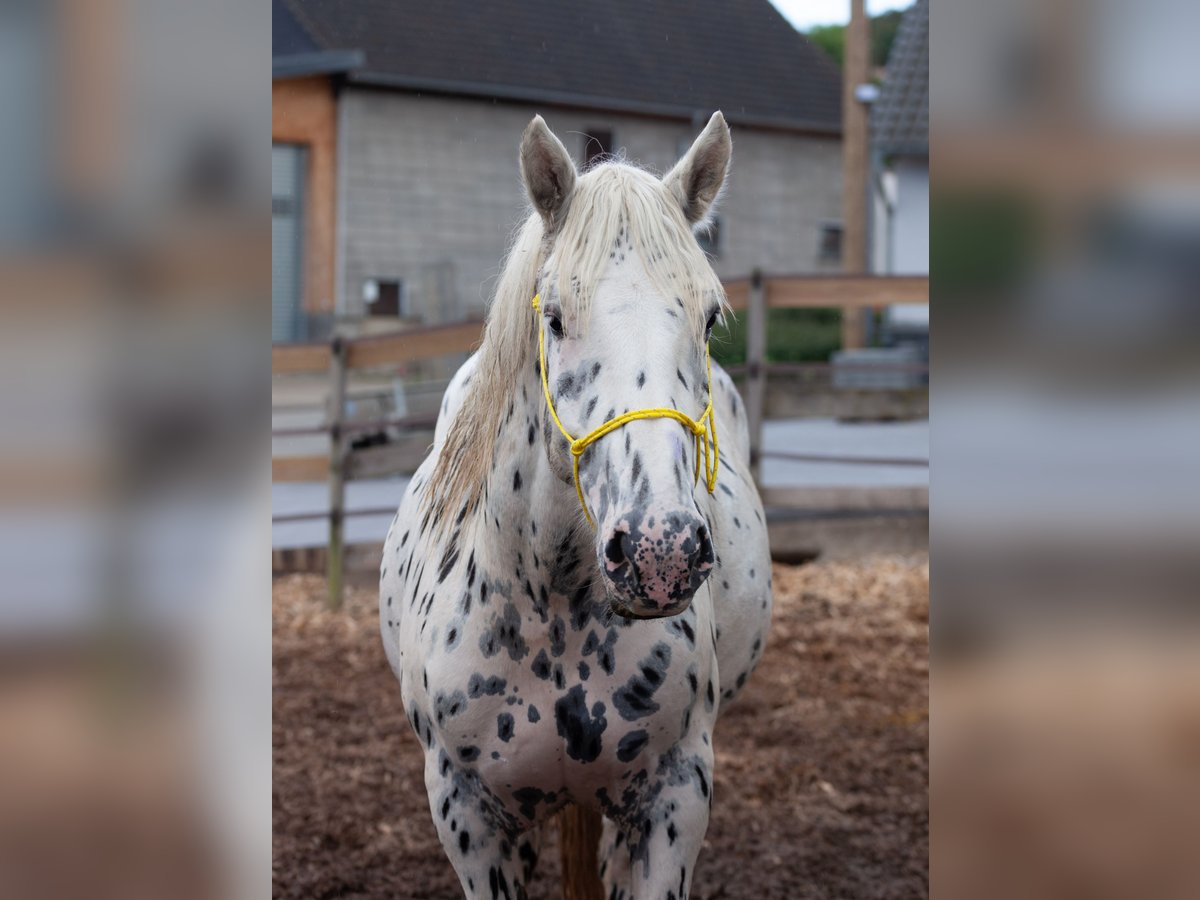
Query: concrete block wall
433, 181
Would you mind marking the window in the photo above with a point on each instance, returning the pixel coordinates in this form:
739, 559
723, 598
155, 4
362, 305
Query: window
385, 298
710, 237
830, 247
287, 243
597, 146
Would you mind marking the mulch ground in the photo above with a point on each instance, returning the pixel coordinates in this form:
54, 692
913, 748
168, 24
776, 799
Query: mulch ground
821, 771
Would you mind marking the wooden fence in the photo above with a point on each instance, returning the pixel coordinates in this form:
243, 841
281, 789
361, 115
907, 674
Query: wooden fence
755, 295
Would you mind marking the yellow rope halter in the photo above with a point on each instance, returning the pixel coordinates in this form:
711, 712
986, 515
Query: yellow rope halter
703, 429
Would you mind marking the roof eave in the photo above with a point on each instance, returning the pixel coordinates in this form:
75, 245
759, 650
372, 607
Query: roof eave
483, 90
321, 62
902, 148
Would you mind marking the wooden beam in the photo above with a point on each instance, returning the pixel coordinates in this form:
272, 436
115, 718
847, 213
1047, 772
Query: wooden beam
415, 343
401, 457
287, 359
380, 350
579, 830
300, 468
1050, 160
791, 291
848, 291
856, 71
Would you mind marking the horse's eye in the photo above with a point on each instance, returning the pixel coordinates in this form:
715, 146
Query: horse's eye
712, 320
555, 325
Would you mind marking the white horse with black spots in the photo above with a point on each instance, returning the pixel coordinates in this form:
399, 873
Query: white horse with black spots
566, 621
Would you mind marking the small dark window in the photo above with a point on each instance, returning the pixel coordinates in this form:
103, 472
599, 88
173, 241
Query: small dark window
389, 299
710, 237
597, 146
830, 249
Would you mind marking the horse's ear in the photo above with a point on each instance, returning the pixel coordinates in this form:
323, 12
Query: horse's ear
697, 179
546, 169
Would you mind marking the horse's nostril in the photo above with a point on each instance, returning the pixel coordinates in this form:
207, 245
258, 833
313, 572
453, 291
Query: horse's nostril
704, 552
618, 548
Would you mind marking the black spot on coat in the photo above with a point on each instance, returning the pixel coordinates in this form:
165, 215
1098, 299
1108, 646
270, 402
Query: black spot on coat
504, 727
631, 745
581, 731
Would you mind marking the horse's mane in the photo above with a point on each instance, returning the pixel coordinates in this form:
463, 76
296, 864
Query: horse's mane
613, 206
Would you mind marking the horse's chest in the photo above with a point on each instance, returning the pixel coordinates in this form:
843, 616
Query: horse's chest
528, 704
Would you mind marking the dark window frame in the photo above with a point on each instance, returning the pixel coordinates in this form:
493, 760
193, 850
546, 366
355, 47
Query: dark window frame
830, 242
391, 301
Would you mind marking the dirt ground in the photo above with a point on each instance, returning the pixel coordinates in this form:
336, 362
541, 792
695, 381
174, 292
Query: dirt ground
821, 765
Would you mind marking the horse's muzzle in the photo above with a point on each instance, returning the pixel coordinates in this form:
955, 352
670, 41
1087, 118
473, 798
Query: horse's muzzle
655, 568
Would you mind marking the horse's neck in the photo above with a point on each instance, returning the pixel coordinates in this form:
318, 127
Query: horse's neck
531, 527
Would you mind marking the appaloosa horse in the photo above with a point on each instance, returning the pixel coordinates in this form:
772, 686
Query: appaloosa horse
574, 584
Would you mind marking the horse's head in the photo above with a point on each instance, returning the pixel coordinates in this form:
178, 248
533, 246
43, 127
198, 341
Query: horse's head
627, 301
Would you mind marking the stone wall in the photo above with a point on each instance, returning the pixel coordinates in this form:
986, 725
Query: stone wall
430, 184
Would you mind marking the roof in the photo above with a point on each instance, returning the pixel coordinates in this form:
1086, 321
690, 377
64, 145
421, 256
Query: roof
295, 52
673, 58
900, 118
288, 36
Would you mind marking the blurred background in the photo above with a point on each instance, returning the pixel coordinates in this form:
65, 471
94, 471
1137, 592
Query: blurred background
134, 625
1065, 230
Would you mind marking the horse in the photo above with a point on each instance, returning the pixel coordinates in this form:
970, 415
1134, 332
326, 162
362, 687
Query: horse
566, 603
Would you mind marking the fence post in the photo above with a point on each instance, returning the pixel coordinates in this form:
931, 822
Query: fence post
337, 468
756, 370
579, 832
855, 162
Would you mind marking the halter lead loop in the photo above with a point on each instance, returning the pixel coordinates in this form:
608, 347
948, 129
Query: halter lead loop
703, 429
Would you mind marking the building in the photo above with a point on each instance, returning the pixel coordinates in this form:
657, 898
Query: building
396, 126
900, 172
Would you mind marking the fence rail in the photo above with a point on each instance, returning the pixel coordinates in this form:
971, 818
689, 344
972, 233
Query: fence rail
845, 291
754, 294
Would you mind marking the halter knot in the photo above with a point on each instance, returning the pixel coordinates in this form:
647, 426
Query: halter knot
703, 429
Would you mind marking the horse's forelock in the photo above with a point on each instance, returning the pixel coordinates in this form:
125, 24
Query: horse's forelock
615, 206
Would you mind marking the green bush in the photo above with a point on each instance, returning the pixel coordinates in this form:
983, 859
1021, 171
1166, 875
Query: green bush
793, 335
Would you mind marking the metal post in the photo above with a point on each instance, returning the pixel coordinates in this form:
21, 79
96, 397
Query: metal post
756, 369
337, 469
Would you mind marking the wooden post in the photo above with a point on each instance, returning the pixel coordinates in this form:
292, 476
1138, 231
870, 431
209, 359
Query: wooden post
756, 367
337, 469
579, 840
855, 71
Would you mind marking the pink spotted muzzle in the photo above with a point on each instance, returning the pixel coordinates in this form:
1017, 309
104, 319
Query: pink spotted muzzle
654, 567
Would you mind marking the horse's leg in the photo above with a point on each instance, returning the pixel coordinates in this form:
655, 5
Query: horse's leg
529, 845
656, 847
614, 861
485, 853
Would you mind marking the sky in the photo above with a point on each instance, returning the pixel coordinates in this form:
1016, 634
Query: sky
804, 14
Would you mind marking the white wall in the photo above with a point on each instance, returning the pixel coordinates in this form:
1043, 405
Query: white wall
900, 230
910, 219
